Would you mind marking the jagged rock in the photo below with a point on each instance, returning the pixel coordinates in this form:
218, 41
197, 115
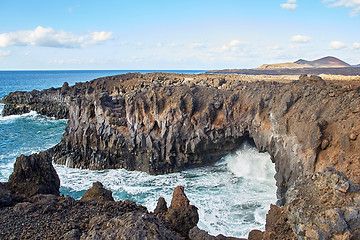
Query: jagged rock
33, 175
51, 217
161, 207
150, 123
277, 226
97, 193
325, 205
181, 215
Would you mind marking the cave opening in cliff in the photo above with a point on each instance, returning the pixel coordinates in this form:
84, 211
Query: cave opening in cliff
248, 162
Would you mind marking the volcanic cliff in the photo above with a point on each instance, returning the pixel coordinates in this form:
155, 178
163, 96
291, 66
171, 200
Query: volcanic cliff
161, 123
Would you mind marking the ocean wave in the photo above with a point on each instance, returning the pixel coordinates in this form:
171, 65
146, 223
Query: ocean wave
230, 201
11, 118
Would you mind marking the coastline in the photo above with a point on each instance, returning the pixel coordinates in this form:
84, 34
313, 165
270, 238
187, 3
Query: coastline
251, 88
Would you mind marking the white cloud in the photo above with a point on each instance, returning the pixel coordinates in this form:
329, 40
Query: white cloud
300, 39
235, 43
4, 53
356, 45
354, 4
337, 45
48, 37
231, 46
289, 5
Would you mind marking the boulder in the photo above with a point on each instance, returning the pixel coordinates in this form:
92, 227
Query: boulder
33, 175
97, 193
181, 215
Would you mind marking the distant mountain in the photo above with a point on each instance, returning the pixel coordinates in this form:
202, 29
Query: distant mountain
283, 66
326, 62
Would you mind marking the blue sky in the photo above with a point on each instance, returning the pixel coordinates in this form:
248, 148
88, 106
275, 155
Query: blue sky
212, 34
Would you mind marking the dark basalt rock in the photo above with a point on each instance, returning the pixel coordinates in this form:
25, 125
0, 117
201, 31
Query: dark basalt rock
97, 193
198, 234
5, 195
181, 215
33, 175
95, 216
158, 123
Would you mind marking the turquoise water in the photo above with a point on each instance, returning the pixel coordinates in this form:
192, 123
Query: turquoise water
233, 196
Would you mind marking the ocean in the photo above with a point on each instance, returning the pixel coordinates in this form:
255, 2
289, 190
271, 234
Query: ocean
233, 196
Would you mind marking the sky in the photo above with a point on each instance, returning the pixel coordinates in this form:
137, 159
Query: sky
174, 34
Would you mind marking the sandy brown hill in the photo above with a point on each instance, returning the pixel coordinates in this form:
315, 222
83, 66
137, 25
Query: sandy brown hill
325, 62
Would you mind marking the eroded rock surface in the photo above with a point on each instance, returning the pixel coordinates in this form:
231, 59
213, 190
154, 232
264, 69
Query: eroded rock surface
33, 175
95, 216
160, 123
325, 205
97, 193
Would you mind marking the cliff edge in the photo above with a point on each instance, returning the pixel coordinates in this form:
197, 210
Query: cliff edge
161, 123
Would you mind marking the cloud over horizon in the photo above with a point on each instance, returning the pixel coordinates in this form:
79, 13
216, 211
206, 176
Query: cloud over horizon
49, 37
354, 4
337, 45
289, 5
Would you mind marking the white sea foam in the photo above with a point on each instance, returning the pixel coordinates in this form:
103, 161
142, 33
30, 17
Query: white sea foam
231, 199
11, 118
247, 162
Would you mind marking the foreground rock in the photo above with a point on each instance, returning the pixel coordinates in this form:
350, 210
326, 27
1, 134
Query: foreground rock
30, 208
33, 175
160, 123
47, 216
181, 216
325, 205
97, 193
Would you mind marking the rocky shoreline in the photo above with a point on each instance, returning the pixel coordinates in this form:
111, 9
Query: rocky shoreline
160, 123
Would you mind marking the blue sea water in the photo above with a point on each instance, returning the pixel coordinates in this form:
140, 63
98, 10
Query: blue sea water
233, 196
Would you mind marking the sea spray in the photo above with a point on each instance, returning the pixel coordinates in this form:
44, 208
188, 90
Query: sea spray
26, 134
247, 162
232, 200
233, 196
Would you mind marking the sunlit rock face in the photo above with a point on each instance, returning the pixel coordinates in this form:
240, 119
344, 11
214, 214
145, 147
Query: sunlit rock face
162, 123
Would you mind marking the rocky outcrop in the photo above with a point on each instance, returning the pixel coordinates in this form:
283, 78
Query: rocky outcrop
162, 123
325, 205
95, 216
97, 193
277, 226
33, 175
30, 208
181, 215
